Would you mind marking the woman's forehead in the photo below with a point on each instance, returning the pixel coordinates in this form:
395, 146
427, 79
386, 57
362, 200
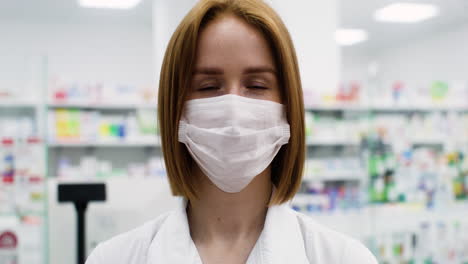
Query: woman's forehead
231, 41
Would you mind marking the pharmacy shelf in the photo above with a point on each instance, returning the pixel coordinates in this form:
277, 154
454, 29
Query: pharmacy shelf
22, 214
336, 176
9, 215
340, 142
438, 141
433, 108
336, 108
406, 215
103, 106
331, 142
345, 221
75, 180
428, 141
389, 108
376, 218
18, 104
104, 144
71, 180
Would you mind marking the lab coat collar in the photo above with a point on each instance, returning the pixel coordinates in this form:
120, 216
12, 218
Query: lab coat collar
281, 240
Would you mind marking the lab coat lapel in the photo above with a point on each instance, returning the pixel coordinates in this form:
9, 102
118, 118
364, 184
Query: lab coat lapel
281, 240
173, 244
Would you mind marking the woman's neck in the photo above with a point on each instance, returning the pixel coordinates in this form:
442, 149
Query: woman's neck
229, 216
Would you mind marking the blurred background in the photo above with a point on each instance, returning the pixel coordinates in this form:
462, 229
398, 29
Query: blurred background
386, 94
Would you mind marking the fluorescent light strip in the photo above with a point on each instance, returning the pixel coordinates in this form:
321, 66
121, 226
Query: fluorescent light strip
350, 36
112, 4
406, 13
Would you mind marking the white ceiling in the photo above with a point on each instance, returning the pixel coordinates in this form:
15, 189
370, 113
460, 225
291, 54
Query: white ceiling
68, 11
353, 13
358, 13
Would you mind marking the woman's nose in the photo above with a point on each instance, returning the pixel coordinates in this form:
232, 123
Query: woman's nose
234, 88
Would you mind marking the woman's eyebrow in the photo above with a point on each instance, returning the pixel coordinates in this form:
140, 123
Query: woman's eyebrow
249, 70
208, 71
260, 69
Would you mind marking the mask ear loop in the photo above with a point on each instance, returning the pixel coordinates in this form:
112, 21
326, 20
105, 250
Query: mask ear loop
286, 134
182, 131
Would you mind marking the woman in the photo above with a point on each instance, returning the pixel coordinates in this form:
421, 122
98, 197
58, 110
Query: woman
232, 129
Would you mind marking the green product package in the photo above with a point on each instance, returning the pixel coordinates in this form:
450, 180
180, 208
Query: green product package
439, 90
74, 122
373, 165
147, 121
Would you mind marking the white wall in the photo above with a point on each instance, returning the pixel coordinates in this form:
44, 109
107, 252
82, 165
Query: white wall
443, 56
312, 26
80, 52
354, 66
166, 17
439, 57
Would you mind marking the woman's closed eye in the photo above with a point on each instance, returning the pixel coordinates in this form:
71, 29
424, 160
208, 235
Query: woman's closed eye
257, 85
208, 88
260, 87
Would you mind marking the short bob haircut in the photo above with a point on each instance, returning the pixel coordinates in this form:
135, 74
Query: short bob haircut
174, 85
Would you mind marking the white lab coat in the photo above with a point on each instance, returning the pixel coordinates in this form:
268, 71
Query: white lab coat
287, 237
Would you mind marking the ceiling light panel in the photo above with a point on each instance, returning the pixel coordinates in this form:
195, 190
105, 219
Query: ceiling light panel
406, 13
112, 4
350, 36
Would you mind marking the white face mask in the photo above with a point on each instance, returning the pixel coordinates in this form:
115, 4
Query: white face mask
233, 138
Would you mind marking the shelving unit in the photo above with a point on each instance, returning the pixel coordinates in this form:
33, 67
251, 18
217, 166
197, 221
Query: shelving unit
30, 226
337, 143
337, 176
332, 143
18, 104
132, 149
376, 217
390, 108
100, 106
122, 144
335, 118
